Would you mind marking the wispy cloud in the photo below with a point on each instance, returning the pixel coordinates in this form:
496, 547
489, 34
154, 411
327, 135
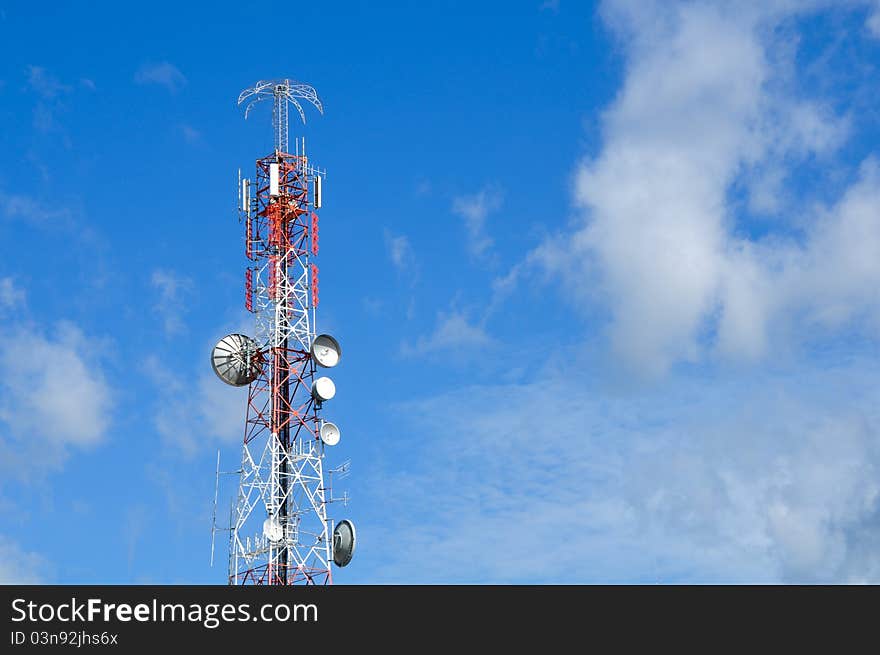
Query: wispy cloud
19, 566
11, 296
45, 84
134, 524
452, 333
423, 188
50, 92
190, 134
32, 211
475, 210
372, 306
162, 73
194, 411
172, 290
400, 252
762, 478
873, 23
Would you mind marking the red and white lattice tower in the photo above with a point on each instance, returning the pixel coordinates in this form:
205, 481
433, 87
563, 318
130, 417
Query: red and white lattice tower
280, 531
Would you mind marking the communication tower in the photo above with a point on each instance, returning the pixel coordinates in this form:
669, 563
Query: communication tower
280, 531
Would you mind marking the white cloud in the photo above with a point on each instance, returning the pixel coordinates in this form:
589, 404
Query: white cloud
18, 566
172, 291
452, 333
162, 73
52, 388
715, 474
706, 104
53, 395
400, 252
761, 478
475, 209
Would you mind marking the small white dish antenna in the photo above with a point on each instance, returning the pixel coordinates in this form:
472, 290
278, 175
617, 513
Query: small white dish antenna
236, 360
323, 389
344, 541
326, 351
329, 433
272, 530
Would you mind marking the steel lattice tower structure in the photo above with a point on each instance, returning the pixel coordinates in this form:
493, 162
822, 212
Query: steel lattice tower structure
280, 532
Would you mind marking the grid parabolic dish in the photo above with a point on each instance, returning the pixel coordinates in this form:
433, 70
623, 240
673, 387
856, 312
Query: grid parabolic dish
236, 360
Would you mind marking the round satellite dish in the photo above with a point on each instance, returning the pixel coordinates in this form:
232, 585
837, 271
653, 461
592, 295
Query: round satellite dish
344, 540
235, 360
329, 433
326, 351
272, 530
323, 389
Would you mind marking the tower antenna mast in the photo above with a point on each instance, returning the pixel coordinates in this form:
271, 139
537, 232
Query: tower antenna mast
280, 530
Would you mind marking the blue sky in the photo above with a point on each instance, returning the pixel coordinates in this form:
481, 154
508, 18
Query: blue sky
605, 276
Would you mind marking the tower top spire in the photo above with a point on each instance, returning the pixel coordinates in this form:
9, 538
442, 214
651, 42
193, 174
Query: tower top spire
282, 92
